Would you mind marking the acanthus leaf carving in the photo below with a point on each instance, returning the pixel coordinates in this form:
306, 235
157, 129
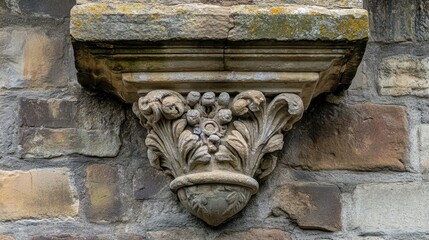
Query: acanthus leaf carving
215, 147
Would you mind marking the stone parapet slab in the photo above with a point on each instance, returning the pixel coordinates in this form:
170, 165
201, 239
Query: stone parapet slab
145, 22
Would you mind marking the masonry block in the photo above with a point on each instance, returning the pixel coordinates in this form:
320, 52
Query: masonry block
104, 196
312, 205
402, 75
255, 234
397, 207
424, 145
49, 143
36, 194
362, 137
52, 113
177, 234
53, 8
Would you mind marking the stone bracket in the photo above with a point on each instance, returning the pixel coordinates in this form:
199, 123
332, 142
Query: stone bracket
216, 86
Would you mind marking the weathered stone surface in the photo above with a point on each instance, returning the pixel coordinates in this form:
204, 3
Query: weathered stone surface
148, 22
12, 41
103, 190
404, 75
63, 237
36, 194
365, 137
49, 142
422, 21
52, 113
324, 3
148, 182
110, 22
255, 234
6, 237
30, 58
120, 236
391, 207
391, 21
298, 23
54, 8
424, 145
215, 146
177, 234
8, 126
312, 205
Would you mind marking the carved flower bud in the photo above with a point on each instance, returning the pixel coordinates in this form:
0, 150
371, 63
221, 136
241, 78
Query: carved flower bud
208, 99
223, 99
193, 117
193, 98
224, 116
172, 107
214, 139
240, 107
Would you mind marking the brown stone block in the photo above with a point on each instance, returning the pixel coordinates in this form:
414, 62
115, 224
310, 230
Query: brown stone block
363, 137
47, 113
256, 234
36, 194
48, 142
103, 190
43, 61
312, 205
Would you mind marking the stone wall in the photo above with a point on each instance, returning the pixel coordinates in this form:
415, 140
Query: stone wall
73, 162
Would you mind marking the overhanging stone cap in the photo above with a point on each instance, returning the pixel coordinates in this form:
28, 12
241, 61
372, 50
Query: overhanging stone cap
323, 3
146, 22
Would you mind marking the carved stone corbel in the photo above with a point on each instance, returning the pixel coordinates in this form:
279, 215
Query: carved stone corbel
216, 147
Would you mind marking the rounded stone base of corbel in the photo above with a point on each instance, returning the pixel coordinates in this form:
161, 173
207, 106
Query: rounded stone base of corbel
214, 196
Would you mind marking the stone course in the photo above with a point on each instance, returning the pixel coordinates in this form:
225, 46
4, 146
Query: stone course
366, 137
103, 191
73, 163
36, 194
391, 207
312, 205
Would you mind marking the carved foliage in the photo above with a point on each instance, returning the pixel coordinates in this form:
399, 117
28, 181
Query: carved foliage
206, 133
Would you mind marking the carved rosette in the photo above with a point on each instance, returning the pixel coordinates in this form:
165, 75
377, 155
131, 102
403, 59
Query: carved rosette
214, 147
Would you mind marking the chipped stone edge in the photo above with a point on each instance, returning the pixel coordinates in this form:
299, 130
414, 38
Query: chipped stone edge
90, 21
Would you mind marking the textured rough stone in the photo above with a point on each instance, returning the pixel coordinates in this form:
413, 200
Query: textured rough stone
424, 145
103, 190
120, 236
31, 58
325, 3
391, 207
6, 237
392, 21
63, 237
48, 142
298, 23
404, 75
209, 22
54, 8
12, 41
312, 205
36, 194
8, 126
366, 137
177, 234
422, 21
256, 234
52, 113
148, 182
